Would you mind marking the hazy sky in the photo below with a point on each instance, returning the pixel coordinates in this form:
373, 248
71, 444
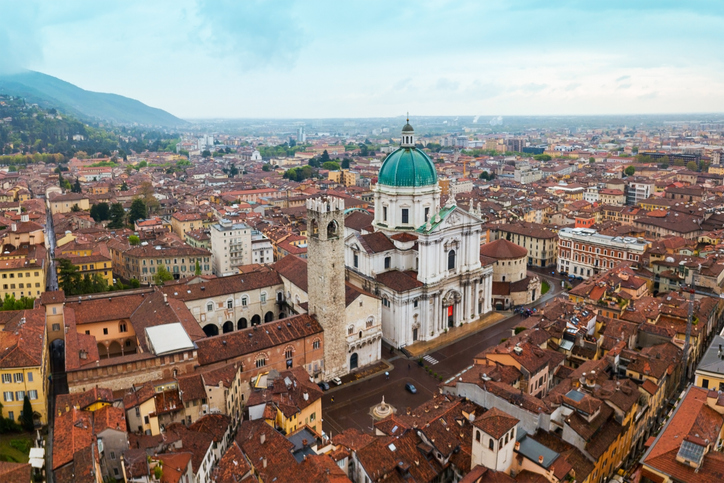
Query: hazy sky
244, 58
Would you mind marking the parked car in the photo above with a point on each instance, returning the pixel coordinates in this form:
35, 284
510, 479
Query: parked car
412, 389
337, 381
323, 386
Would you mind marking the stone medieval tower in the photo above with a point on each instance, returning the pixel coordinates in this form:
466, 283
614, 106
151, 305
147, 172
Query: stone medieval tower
326, 279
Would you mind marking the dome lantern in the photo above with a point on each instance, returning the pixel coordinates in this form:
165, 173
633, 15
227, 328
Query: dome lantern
408, 135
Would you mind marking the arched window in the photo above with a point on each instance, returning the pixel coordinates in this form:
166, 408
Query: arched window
451, 260
350, 330
244, 301
316, 343
332, 229
230, 304
209, 307
288, 352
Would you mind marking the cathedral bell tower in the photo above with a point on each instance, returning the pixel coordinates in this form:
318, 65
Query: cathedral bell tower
326, 279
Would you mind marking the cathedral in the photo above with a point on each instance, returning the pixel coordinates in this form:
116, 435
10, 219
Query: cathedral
422, 259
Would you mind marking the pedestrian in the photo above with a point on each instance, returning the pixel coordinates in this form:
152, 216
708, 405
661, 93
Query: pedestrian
332, 398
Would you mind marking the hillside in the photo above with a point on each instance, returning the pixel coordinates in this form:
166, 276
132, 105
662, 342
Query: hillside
51, 92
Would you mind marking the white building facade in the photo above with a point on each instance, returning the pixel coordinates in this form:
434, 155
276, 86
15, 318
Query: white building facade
423, 260
236, 244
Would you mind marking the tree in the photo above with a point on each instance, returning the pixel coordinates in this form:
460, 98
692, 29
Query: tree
678, 162
134, 240
484, 175
197, 270
151, 201
542, 157
266, 167
142, 164
26, 417
68, 276
331, 166
325, 157
206, 153
124, 186
117, 216
162, 275
75, 208
629, 171
135, 283
100, 211
76, 187
10, 303
345, 163
591, 160
692, 166
138, 211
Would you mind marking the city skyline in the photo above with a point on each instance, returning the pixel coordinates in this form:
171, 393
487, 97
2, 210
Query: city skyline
200, 59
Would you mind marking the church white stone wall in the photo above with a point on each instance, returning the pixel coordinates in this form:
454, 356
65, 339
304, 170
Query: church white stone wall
429, 274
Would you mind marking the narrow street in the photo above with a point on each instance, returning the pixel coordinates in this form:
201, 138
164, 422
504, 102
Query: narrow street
52, 282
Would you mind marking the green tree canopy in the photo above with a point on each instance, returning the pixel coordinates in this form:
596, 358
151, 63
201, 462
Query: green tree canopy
325, 157
331, 166
162, 275
542, 157
266, 167
345, 163
26, 417
10, 303
76, 187
484, 175
100, 211
75, 208
124, 186
591, 160
117, 216
134, 240
692, 166
206, 153
629, 171
138, 211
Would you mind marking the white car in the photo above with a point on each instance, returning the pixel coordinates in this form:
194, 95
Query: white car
337, 381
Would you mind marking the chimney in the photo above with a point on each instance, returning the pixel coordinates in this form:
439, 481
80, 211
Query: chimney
165, 298
517, 445
540, 459
262, 438
264, 462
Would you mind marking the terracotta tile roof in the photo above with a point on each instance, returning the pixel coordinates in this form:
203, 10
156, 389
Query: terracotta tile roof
495, 422
376, 242
233, 467
14, 472
235, 344
22, 340
153, 311
195, 442
267, 450
503, 250
191, 388
109, 417
175, 465
222, 376
293, 269
214, 424
399, 281
82, 400
223, 286
72, 431
104, 309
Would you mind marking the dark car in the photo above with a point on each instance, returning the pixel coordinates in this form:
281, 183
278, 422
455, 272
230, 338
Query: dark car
411, 388
323, 386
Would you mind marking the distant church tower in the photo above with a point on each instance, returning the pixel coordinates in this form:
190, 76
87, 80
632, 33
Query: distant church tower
326, 279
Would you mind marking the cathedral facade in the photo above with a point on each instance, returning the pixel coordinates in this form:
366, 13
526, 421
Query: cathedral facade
422, 259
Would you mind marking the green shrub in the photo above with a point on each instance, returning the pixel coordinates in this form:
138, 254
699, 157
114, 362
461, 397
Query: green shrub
518, 330
22, 445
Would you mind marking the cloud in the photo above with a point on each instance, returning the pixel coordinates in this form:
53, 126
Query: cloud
572, 87
624, 86
623, 78
445, 84
650, 95
250, 33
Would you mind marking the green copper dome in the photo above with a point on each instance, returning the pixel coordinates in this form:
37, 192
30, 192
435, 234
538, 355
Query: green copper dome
407, 166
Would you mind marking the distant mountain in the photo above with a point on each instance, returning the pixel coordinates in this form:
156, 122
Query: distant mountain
51, 92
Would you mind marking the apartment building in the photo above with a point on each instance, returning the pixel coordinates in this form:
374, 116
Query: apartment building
142, 262
236, 244
584, 252
541, 242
